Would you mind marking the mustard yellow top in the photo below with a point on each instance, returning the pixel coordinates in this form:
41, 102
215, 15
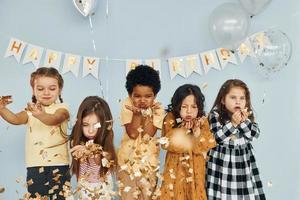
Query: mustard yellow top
184, 171
139, 153
46, 145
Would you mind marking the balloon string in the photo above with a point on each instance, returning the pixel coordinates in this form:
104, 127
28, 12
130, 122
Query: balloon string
92, 33
91, 22
107, 11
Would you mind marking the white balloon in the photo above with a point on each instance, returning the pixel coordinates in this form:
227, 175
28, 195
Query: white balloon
253, 7
229, 25
85, 7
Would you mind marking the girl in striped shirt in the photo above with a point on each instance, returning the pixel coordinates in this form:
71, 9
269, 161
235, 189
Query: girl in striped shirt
92, 148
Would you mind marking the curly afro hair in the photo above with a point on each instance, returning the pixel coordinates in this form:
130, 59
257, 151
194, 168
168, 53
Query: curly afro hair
143, 75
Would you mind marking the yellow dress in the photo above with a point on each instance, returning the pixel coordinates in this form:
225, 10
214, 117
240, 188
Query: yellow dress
184, 172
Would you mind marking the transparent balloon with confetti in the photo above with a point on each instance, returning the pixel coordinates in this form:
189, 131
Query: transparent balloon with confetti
272, 51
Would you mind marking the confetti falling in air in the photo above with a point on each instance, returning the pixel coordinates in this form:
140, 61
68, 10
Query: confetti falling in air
264, 97
2, 189
269, 184
204, 85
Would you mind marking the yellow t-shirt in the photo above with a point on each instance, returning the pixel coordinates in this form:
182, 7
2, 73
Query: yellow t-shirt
133, 150
46, 145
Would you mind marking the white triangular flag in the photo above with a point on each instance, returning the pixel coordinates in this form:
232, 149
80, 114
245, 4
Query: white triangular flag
154, 63
15, 48
33, 54
244, 50
209, 60
176, 66
132, 64
71, 63
192, 64
225, 56
90, 66
52, 58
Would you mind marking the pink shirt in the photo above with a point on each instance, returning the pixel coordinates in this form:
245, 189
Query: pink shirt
90, 171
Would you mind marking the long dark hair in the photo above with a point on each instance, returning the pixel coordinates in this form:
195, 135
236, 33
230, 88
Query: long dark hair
219, 107
47, 72
104, 136
180, 94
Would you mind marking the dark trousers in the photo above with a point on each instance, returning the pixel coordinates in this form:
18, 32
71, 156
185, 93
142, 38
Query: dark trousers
47, 181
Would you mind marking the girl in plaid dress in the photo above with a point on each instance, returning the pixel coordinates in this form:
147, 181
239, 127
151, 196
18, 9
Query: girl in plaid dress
231, 170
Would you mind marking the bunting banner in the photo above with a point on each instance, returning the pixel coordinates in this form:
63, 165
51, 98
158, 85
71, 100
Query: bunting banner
225, 56
71, 63
131, 64
90, 66
15, 49
192, 64
176, 66
184, 66
209, 60
52, 58
154, 63
244, 50
33, 54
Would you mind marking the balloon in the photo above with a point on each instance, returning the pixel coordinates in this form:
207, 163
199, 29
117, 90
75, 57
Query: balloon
253, 7
229, 25
85, 7
272, 51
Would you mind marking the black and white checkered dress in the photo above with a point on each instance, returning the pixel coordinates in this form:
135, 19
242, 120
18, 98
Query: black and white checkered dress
232, 173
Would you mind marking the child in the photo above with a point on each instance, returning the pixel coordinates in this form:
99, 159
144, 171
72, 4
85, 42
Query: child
46, 136
141, 117
94, 156
187, 130
231, 170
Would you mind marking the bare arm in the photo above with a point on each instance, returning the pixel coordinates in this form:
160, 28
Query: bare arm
57, 118
148, 126
9, 116
12, 118
132, 128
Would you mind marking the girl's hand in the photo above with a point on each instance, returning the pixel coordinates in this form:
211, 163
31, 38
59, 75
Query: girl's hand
36, 109
78, 151
187, 124
134, 109
5, 100
155, 107
236, 118
244, 114
196, 128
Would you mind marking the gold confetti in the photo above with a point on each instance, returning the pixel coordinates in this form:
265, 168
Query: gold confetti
127, 189
55, 171
189, 179
140, 129
2, 189
30, 182
204, 85
178, 120
211, 140
41, 169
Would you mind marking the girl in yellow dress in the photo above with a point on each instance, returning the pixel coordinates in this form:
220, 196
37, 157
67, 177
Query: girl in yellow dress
189, 139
